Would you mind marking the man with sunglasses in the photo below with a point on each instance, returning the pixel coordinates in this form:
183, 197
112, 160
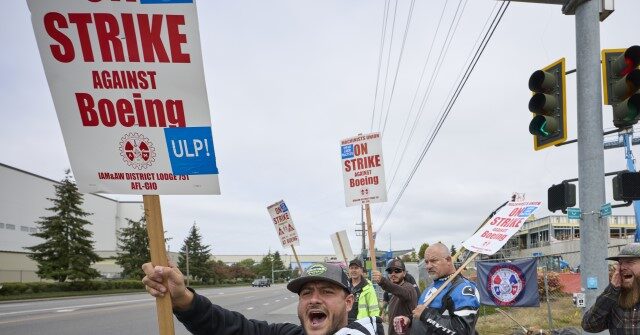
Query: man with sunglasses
404, 297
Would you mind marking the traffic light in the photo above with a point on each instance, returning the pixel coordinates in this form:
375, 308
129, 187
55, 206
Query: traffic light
626, 186
620, 82
549, 105
561, 196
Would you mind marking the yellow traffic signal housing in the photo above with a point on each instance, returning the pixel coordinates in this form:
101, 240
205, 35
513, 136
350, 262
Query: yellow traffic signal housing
620, 83
549, 105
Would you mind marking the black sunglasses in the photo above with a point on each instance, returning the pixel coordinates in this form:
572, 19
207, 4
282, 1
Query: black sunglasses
389, 271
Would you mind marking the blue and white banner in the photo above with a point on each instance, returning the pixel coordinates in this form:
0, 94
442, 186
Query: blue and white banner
511, 284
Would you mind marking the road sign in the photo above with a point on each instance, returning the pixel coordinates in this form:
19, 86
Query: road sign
605, 210
127, 82
283, 223
363, 169
574, 213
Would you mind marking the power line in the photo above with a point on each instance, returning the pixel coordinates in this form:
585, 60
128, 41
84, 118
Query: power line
395, 78
447, 109
415, 96
384, 90
385, 14
443, 52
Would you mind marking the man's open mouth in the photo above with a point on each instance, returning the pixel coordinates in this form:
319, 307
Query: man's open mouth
317, 317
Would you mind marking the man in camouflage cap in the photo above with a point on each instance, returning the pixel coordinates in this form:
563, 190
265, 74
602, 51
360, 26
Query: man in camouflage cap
324, 301
617, 307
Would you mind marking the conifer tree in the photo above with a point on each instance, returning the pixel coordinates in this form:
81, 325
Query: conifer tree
423, 248
264, 268
199, 255
67, 249
133, 243
279, 265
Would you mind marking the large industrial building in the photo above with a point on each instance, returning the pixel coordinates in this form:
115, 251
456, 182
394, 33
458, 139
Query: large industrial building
23, 200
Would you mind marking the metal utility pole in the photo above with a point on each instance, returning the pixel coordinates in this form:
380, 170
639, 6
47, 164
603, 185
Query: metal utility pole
631, 166
594, 231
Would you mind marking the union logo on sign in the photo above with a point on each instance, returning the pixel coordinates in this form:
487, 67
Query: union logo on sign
506, 284
137, 151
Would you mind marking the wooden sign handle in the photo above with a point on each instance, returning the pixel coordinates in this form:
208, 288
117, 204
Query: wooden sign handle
297, 260
372, 250
155, 231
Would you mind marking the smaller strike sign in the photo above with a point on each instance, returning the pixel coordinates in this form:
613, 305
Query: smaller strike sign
282, 222
363, 169
495, 233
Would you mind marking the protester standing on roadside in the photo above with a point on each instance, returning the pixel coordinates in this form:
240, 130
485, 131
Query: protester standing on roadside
365, 301
404, 294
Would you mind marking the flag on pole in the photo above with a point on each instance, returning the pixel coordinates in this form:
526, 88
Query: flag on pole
509, 284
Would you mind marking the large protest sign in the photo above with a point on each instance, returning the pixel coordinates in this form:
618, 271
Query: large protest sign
363, 169
504, 224
283, 223
509, 284
128, 86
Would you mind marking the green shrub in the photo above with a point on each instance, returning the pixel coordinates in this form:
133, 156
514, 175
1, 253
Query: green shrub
15, 288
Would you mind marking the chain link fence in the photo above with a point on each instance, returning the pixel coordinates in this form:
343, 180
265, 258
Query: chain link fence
556, 281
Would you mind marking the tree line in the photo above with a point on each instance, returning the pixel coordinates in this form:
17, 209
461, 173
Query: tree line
67, 251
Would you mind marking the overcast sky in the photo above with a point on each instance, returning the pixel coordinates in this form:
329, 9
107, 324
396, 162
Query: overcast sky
287, 80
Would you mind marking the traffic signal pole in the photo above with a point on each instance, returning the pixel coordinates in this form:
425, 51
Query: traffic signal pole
631, 166
594, 231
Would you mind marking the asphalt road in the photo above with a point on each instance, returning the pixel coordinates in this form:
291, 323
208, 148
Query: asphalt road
135, 313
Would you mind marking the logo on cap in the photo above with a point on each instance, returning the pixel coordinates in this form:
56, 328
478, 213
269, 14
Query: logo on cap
316, 270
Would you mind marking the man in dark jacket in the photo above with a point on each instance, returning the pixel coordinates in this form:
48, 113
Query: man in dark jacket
616, 308
323, 305
404, 297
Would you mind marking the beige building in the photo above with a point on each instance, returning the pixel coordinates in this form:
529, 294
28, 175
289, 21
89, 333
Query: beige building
23, 200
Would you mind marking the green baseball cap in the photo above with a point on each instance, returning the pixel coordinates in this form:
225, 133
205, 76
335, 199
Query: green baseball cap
332, 273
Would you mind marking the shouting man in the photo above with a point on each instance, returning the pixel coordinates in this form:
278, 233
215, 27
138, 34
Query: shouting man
324, 300
617, 307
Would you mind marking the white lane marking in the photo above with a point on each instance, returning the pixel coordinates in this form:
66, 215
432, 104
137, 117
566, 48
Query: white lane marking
285, 298
266, 303
65, 310
221, 293
249, 308
150, 299
278, 300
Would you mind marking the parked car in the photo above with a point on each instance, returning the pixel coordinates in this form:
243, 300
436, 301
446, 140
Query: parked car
260, 282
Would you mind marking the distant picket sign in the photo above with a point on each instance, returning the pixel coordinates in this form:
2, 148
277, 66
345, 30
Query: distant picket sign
283, 223
363, 169
128, 86
342, 246
504, 224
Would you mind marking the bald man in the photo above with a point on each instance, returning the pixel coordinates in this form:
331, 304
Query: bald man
455, 309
